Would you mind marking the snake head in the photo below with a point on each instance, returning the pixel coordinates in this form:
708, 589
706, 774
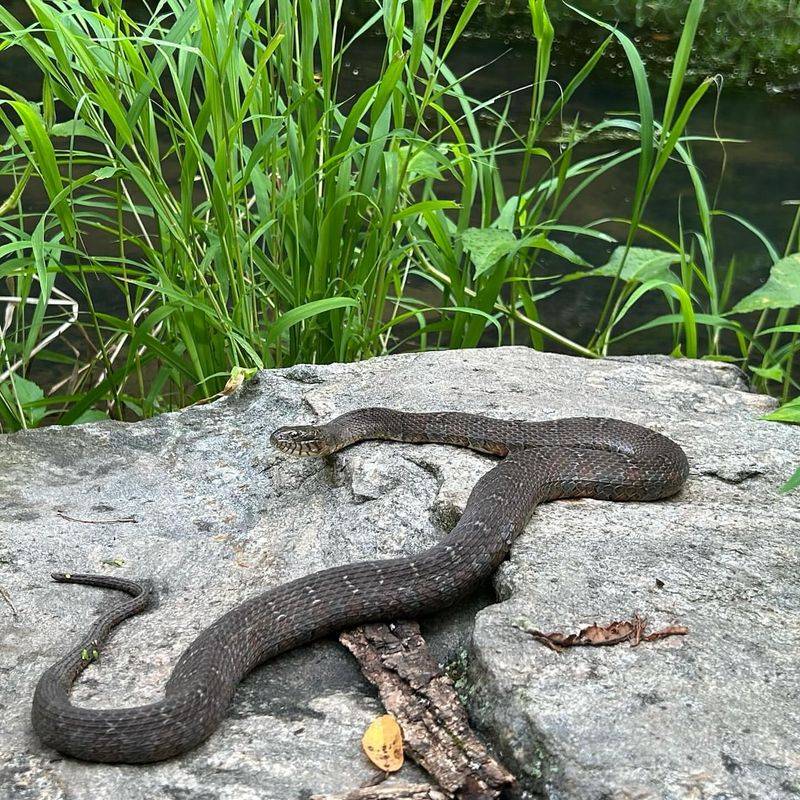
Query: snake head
303, 440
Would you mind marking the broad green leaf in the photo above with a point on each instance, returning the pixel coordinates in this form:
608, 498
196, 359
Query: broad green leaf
91, 415
486, 246
782, 289
786, 413
774, 373
642, 264
508, 214
19, 389
74, 127
107, 172
424, 162
792, 483
26, 391
559, 249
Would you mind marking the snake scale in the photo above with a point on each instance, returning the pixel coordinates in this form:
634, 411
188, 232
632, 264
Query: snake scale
565, 458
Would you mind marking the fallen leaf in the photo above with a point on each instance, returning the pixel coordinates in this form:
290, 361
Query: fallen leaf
383, 743
605, 635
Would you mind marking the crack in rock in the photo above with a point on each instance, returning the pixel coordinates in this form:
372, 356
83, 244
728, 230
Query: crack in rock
733, 476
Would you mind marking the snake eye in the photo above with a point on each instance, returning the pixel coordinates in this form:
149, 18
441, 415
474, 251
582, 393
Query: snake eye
303, 434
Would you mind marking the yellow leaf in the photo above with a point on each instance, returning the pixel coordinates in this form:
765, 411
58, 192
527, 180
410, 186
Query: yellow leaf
238, 376
383, 743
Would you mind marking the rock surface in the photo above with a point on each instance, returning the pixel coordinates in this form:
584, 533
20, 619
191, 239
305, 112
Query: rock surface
219, 516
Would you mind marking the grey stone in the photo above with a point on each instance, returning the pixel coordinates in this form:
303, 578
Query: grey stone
220, 516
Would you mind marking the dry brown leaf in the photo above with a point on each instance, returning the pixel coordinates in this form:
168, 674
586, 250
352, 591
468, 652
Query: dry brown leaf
383, 743
603, 635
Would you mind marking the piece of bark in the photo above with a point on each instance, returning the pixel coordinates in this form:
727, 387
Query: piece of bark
421, 696
394, 791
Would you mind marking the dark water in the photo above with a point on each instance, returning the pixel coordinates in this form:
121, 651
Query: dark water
759, 174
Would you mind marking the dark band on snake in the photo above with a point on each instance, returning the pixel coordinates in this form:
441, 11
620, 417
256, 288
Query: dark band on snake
601, 458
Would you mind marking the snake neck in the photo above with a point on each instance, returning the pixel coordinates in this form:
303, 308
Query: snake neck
363, 425
464, 430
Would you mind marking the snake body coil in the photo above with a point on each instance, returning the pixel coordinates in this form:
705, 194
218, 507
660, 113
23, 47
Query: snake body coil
566, 458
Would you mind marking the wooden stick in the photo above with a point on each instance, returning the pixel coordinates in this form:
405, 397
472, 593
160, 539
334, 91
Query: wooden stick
421, 696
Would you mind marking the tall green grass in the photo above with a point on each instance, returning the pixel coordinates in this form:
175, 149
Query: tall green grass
205, 166
205, 169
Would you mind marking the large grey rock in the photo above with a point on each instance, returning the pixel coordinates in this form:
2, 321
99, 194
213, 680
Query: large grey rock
220, 516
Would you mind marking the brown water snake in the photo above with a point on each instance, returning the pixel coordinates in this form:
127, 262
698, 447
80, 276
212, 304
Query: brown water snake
566, 458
